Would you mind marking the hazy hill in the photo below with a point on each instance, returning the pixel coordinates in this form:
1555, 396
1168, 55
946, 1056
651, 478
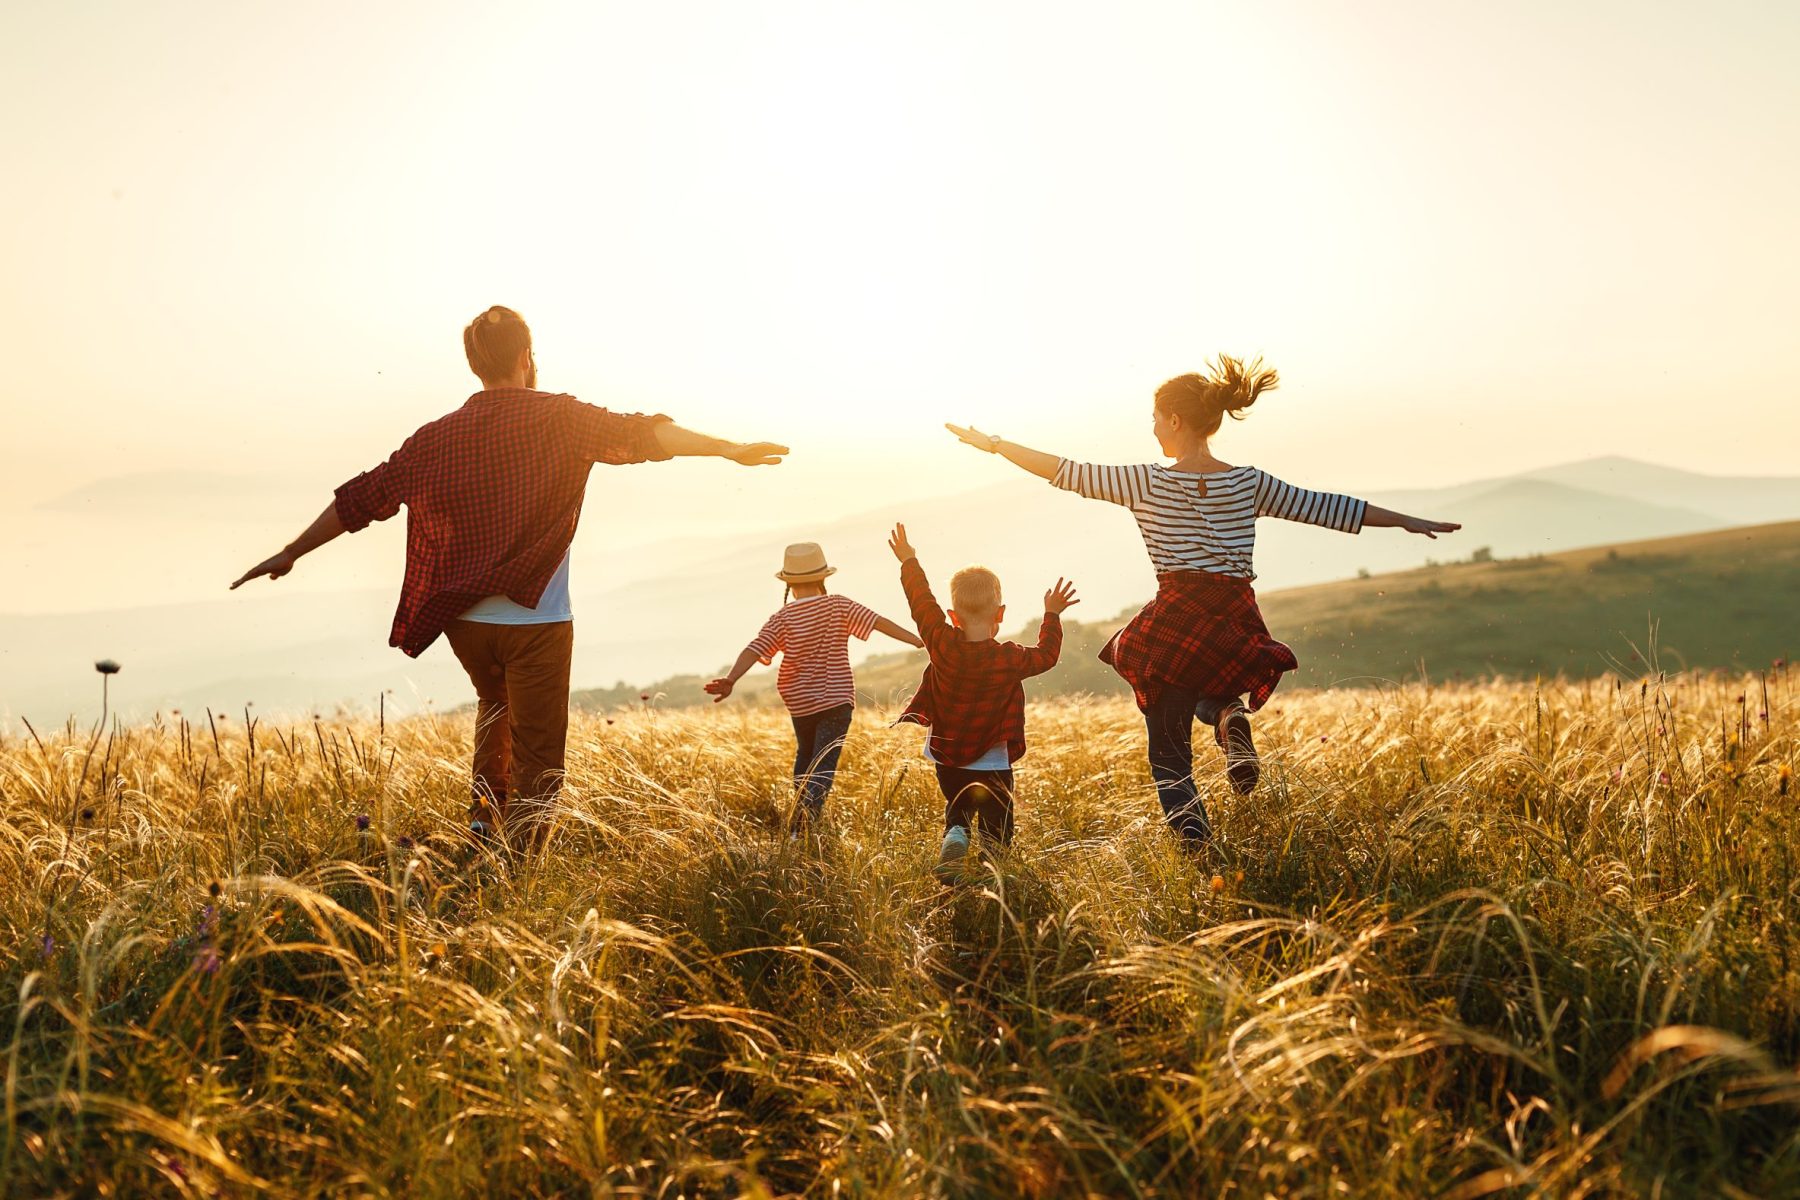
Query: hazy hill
688, 604
1723, 599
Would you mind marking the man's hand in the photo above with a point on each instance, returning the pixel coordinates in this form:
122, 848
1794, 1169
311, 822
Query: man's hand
718, 689
971, 436
1060, 597
274, 567
899, 545
756, 454
1429, 528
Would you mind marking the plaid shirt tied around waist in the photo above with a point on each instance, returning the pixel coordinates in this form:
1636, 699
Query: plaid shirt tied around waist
972, 695
1202, 632
493, 493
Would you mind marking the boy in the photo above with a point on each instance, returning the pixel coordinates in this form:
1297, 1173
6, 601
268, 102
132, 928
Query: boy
972, 696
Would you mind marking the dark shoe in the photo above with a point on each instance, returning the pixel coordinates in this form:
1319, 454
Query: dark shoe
1241, 764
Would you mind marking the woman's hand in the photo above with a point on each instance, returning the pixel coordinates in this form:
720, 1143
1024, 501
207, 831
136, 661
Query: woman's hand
971, 436
899, 545
274, 567
718, 689
755, 454
1060, 597
1429, 528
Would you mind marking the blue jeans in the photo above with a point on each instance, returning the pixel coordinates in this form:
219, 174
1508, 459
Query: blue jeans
820, 739
1170, 722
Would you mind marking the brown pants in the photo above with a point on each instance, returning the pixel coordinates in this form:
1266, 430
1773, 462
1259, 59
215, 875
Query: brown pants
521, 678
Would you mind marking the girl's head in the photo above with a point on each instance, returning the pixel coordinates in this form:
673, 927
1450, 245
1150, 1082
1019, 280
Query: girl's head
1190, 408
804, 570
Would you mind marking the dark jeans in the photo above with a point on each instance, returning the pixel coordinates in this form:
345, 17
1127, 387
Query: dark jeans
989, 805
820, 739
1170, 722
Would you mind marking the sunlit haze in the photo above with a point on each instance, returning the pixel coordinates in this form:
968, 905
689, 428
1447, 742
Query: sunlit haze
241, 242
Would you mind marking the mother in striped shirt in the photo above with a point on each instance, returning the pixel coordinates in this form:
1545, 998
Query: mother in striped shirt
1200, 648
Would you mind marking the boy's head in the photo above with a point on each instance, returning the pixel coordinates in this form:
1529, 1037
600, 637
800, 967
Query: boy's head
498, 344
975, 602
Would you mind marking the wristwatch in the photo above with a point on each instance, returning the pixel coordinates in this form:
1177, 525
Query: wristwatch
994, 441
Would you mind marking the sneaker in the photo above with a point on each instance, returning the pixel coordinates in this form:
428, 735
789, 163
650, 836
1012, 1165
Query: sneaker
951, 855
1233, 735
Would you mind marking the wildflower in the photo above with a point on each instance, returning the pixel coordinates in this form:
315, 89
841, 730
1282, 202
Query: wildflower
107, 666
362, 822
1662, 777
47, 945
1618, 774
206, 960
1784, 779
87, 814
1238, 878
1324, 737
609, 720
208, 923
213, 889
1218, 884
405, 843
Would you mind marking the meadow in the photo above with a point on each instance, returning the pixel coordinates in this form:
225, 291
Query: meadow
1483, 939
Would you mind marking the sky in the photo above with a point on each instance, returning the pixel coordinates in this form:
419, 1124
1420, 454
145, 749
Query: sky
240, 242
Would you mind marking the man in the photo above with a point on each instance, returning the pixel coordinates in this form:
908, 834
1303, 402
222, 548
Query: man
493, 492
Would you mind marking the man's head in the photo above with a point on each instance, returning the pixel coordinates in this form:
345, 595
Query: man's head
498, 344
975, 602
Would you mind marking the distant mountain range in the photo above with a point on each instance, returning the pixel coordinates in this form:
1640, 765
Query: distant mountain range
690, 605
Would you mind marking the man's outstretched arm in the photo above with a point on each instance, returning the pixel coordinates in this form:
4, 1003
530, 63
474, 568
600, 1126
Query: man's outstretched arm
685, 443
324, 527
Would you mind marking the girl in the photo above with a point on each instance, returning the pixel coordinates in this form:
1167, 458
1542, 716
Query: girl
811, 631
1200, 647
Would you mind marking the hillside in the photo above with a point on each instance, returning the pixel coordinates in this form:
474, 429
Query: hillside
1717, 599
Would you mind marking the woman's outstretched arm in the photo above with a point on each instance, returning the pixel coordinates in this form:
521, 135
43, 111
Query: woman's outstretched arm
1024, 457
1386, 518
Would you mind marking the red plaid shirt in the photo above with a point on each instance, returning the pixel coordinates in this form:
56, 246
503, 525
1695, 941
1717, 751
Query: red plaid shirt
492, 492
1202, 632
972, 696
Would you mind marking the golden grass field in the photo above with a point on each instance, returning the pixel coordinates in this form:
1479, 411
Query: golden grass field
1492, 939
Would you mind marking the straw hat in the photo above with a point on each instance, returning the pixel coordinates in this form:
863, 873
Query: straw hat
804, 562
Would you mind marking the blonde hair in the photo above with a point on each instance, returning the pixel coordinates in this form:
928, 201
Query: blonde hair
975, 592
1228, 386
494, 340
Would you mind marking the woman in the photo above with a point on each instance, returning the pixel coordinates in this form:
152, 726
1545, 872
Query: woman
1200, 648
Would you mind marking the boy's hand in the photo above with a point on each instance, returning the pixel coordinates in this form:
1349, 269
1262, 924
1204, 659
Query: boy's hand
1429, 528
718, 689
756, 454
899, 545
1060, 597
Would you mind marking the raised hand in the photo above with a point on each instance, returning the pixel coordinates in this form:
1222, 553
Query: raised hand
971, 436
899, 545
274, 567
1060, 597
756, 454
718, 689
1429, 528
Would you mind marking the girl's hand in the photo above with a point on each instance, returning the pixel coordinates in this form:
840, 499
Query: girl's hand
1429, 528
971, 436
1060, 597
756, 454
899, 545
718, 689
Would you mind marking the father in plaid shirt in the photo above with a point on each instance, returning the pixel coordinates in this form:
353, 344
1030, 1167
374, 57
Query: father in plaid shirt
493, 492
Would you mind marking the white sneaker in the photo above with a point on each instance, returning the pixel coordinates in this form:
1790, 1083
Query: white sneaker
951, 854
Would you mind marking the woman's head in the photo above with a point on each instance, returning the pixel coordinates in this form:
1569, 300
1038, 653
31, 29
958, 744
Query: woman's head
1190, 408
498, 344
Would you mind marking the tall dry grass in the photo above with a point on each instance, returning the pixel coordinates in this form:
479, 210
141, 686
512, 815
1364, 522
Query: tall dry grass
1484, 940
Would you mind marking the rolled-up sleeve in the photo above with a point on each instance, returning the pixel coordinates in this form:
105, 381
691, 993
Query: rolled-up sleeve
603, 436
374, 495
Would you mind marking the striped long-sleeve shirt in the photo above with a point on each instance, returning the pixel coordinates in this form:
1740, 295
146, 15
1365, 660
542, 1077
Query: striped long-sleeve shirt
1194, 521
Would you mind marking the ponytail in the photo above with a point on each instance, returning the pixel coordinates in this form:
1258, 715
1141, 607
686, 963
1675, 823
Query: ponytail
1228, 386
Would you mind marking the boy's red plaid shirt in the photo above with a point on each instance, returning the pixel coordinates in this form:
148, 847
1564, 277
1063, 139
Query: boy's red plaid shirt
972, 696
493, 492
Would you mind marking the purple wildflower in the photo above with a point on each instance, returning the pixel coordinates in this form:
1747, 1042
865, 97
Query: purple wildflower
47, 945
362, 822
405, 843
206, 961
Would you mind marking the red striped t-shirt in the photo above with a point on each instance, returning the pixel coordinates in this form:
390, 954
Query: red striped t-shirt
812, 635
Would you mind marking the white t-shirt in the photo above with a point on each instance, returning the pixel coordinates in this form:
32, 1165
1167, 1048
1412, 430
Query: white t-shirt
552, 606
